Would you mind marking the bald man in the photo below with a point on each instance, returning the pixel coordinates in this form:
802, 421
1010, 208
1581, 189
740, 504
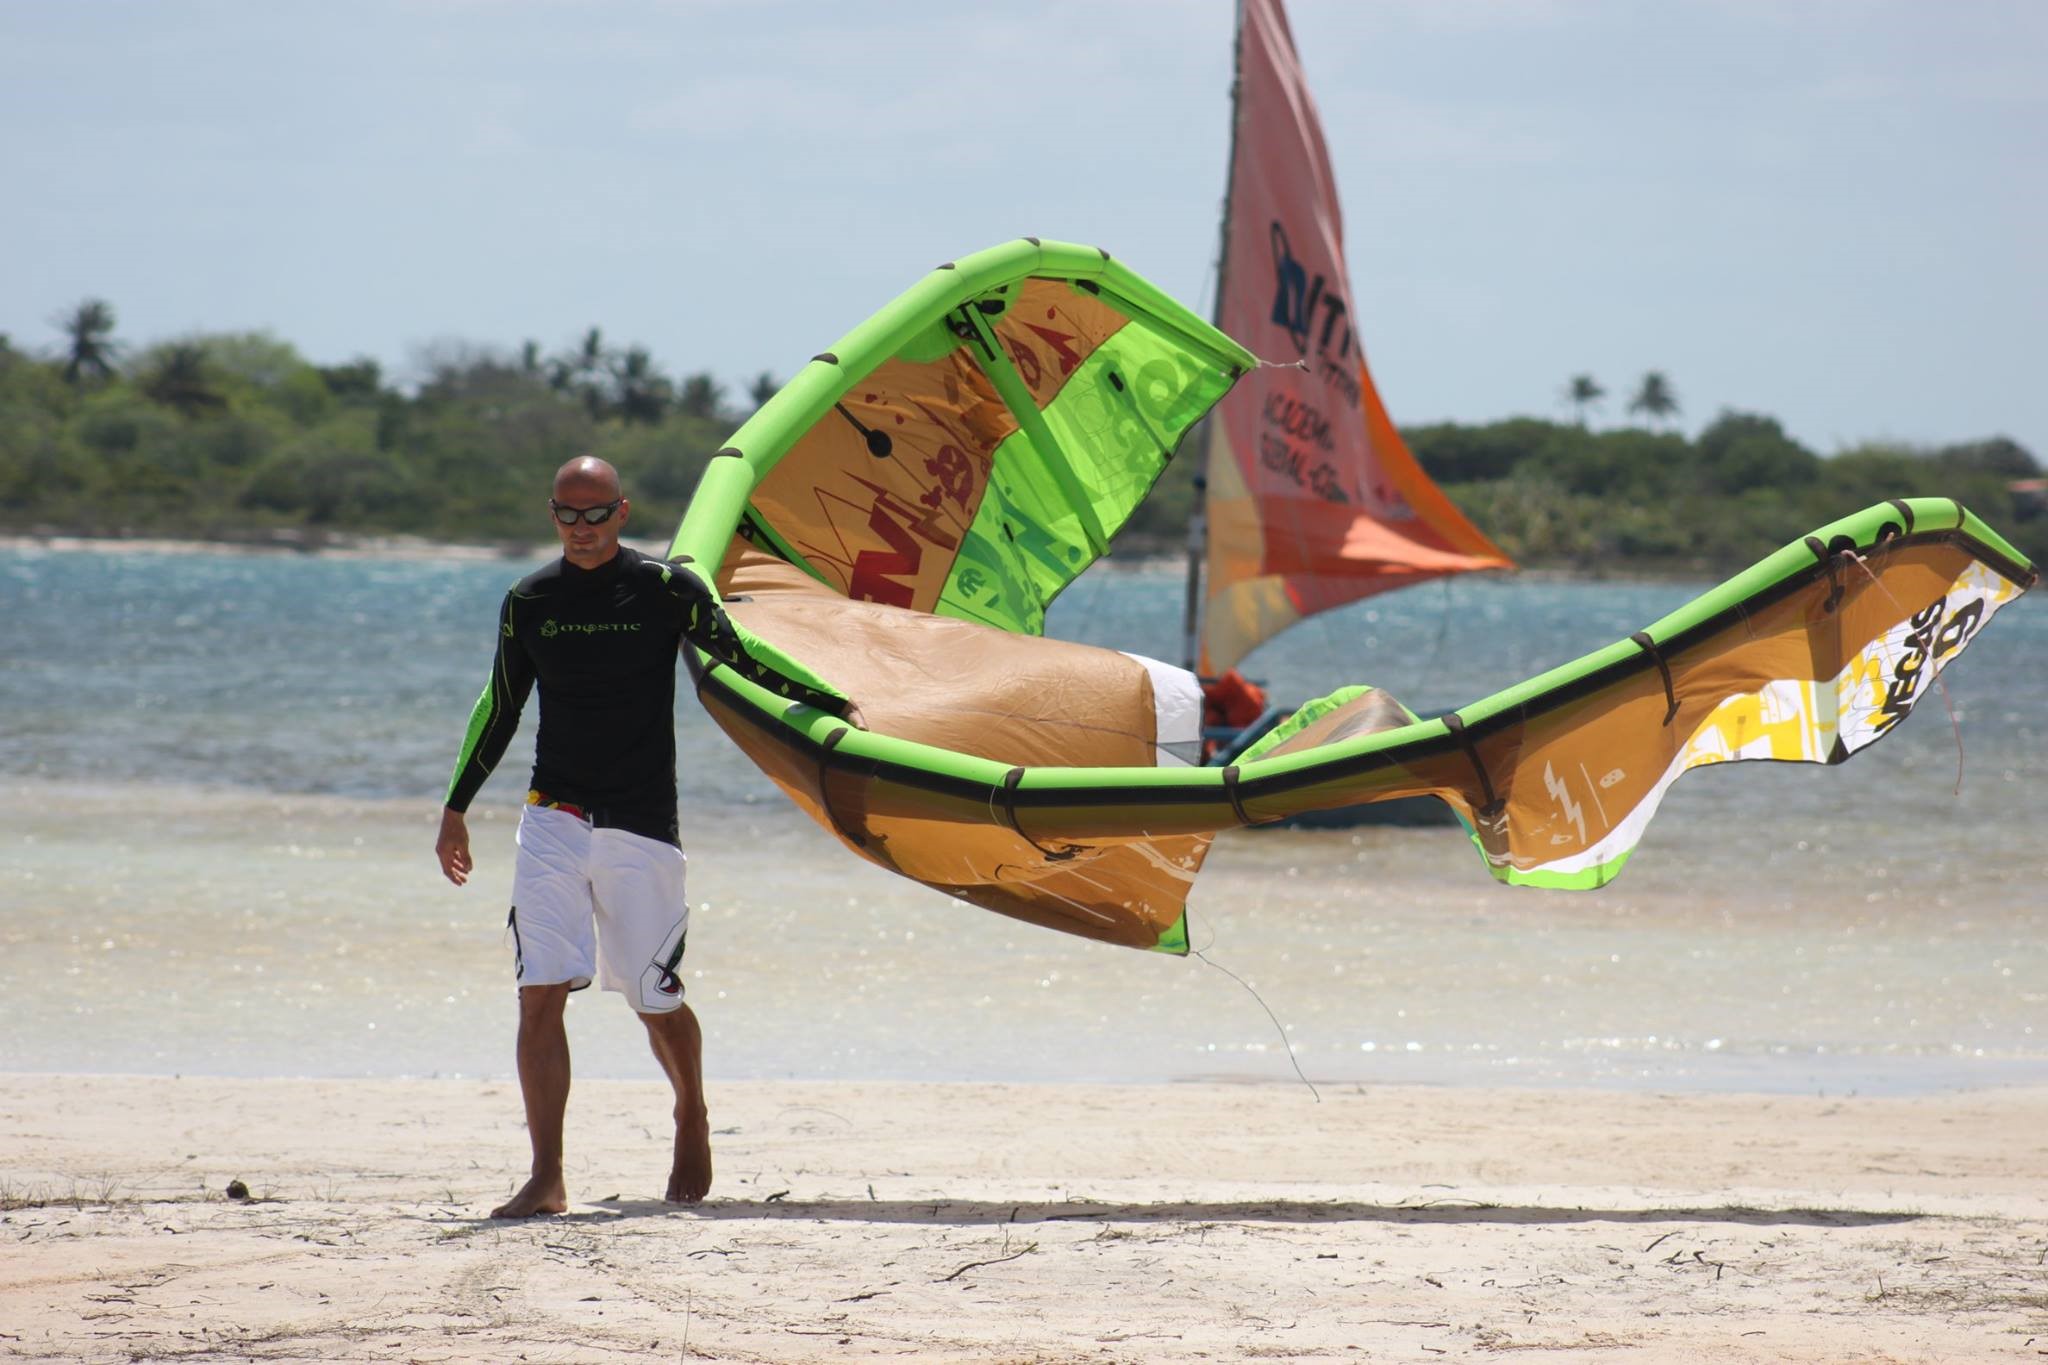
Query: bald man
597, 891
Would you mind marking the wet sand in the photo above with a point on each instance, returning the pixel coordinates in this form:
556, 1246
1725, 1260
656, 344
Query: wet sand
1017, 1222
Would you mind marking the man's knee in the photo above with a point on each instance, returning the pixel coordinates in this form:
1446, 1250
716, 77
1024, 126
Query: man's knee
676, 1024
538, 1004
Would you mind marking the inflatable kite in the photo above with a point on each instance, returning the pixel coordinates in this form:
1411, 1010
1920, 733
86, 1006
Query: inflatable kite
887, 531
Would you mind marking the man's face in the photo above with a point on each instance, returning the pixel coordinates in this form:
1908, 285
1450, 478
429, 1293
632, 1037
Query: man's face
584, 545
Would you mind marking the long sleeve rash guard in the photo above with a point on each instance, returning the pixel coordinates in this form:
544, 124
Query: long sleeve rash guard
602, 645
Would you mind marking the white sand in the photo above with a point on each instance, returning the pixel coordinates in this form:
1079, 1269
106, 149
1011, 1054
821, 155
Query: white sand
971, 1222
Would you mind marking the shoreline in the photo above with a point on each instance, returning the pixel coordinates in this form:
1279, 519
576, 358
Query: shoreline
1006, 1223
369, 545
325, 546
1664, 1087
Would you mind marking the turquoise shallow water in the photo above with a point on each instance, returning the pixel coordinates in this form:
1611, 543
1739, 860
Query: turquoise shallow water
353, 677
221, 771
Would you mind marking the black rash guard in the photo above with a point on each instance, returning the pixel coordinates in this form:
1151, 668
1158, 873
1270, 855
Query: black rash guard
602, 644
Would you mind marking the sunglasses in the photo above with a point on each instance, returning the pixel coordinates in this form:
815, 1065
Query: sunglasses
596, 516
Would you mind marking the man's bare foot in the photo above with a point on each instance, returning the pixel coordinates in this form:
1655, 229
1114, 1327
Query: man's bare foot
542, 1194
690, 1180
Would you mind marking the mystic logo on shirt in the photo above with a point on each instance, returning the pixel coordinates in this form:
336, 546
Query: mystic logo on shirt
550, 628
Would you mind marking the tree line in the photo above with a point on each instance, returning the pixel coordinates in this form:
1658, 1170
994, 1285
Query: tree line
1633, 498
236, 436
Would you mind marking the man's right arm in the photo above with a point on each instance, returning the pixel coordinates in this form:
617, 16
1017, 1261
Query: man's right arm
491, 727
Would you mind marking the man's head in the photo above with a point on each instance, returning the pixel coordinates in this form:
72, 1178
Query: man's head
587, 488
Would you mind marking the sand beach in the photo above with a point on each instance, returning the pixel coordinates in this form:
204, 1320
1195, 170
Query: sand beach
1023, 1223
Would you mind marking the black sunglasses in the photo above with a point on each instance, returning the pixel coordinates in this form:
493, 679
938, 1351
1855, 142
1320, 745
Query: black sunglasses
596, 516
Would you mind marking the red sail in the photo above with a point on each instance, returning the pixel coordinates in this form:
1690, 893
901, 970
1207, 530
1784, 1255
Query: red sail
1314, 500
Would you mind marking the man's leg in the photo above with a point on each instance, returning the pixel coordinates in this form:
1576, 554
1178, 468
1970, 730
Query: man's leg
679, 1047
544, 1085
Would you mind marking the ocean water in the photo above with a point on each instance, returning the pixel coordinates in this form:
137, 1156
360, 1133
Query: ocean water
222, 771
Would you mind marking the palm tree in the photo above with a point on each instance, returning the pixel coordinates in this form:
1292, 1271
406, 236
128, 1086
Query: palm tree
360, 379
582, 372
643, 390
702, 396
181, 380
1655, 397
90, 348
1584, 392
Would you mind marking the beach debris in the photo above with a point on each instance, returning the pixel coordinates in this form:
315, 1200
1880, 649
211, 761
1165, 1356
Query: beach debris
1025, 1250
237, 1190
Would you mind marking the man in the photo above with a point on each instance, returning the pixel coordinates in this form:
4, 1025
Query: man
597, 890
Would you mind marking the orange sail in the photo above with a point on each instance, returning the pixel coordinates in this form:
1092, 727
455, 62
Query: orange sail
1313, 498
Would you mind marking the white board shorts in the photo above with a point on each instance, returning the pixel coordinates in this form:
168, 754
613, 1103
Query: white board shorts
598, 903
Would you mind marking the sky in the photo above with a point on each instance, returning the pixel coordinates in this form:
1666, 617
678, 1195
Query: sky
1830, 211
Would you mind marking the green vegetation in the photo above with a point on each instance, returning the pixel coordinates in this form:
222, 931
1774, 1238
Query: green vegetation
238, 437
1557, 494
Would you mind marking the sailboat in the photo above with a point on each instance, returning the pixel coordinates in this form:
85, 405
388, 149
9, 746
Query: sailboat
1309, 498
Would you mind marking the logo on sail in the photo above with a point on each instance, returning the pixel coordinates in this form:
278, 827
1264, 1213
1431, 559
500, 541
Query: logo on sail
1935, 635
1297, 298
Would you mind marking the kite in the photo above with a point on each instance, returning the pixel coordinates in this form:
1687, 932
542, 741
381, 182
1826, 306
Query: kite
894, 522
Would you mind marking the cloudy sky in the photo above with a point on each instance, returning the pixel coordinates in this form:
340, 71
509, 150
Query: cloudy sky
1829, 210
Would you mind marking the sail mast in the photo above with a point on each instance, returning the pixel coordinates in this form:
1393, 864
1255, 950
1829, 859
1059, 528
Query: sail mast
1198, 513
